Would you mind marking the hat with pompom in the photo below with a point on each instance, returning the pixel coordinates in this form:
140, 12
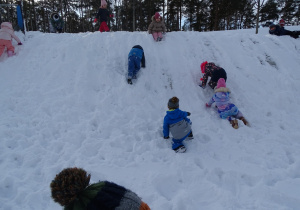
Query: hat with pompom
202, 66
173, 103
221, 83
68, 184
157, 15
103, 3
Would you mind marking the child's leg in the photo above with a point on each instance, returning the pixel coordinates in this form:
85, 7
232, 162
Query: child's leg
176, 144
159, 34
137, 65
2, 48
105, 27
131, 67
155, 35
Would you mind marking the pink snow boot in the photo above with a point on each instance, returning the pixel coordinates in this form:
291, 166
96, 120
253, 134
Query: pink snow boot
10, 53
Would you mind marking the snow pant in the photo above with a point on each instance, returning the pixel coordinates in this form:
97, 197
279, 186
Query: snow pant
230, 111
216, 75
103, 27
134, 65
6, 43
178, 142
156, 35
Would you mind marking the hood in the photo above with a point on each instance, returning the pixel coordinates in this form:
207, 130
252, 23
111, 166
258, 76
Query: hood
175, 114
6, 25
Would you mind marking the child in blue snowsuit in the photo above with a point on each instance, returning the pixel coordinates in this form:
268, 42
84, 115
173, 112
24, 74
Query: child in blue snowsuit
178, 124
226, 109
135, 58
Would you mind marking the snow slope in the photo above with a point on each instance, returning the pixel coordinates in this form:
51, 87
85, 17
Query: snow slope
65, 103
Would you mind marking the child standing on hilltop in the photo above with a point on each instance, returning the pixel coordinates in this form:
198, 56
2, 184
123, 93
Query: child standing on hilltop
6, 35
178, 124
103, 14
226, 109
157, 27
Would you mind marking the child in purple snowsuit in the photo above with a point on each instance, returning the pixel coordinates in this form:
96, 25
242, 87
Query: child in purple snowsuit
226, 109
178, 124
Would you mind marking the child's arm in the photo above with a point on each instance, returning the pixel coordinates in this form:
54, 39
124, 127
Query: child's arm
143, 61
16, 38
166, 129
211, 101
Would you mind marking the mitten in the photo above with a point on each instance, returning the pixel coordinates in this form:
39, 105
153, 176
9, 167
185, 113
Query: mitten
20, 43
188, 113
166, 137
207, 105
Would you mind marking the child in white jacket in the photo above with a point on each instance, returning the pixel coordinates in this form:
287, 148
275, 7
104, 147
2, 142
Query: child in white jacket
6, 35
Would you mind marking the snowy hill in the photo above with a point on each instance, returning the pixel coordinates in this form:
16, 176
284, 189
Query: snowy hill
64, 102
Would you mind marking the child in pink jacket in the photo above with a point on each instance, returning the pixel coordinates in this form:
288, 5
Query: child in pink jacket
6, 35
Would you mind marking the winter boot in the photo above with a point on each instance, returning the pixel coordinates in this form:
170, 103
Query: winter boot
191, 136
180, 149
10, 53
244, 121
129, 81
234, 124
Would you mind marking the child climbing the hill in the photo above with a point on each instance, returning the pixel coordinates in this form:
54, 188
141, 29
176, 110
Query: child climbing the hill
157, 27
226, 109
71, 189
212, 71
135, 58
6, 35
178, 124
103, 14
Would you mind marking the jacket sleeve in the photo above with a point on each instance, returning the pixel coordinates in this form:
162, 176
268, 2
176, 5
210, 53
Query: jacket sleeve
166, 128
150, 28
211, 101
15, 37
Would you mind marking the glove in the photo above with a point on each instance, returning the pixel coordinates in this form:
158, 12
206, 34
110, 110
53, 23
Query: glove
207, 105
166, 137
188, 113
94, 24
111, 15
20, 43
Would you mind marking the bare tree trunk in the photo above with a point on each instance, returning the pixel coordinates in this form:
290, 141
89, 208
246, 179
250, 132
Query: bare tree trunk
257, 16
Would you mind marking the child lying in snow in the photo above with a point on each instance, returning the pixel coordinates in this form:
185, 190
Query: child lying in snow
226, 109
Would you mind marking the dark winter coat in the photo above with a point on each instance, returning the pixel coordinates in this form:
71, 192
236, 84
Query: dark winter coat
102, 15
215, 72
281, 31
177, 123
138, 51
157, 26
108, 196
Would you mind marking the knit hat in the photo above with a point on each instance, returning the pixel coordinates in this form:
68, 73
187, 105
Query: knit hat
173, 103
202, 66
157, 15
103, 3
221, 83
68, 184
